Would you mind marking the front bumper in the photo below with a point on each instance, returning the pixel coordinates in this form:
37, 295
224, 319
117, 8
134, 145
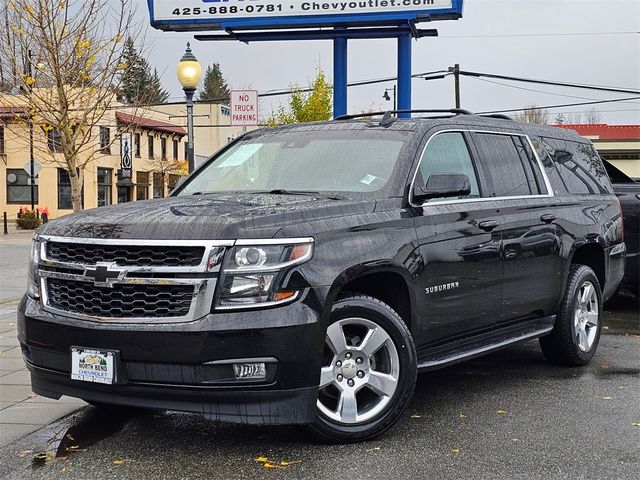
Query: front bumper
186, 366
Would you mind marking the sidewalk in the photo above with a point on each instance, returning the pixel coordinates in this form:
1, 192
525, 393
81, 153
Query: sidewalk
21, 411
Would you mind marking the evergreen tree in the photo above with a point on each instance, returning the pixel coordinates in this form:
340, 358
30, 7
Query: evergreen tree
138, 85
214, 86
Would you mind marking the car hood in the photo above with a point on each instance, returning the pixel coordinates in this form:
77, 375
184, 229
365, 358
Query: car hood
207, 217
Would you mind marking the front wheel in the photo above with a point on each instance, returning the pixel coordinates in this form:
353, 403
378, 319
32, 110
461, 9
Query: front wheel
575, 337
368, 372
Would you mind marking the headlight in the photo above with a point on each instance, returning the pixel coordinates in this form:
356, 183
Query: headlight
33, 277
252, 274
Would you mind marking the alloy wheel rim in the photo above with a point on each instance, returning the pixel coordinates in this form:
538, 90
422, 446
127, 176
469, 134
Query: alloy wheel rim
360, 373
586, 316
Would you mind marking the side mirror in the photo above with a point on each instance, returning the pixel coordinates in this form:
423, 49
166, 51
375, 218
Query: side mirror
443, 185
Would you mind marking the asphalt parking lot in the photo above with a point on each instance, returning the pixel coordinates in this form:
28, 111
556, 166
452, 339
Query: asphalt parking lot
508, 415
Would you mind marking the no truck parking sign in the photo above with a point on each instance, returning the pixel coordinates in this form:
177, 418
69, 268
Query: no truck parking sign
244, 108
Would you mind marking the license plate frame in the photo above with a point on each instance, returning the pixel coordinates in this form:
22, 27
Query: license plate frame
94, 365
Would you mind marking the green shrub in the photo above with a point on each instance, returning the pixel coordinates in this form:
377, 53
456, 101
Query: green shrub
28, 221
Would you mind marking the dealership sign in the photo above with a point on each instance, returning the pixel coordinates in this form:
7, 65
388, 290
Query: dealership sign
223, 14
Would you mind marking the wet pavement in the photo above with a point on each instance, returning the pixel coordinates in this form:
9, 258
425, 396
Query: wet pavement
508, 415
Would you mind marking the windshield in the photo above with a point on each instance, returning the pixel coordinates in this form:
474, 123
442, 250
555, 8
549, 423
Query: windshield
309, 161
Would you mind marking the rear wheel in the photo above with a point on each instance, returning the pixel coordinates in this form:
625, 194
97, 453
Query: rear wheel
574, 339
368, 372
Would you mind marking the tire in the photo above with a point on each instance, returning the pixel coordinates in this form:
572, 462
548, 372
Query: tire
368, 373
574, 339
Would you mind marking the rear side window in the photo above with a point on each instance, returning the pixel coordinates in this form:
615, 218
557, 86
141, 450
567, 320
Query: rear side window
503, 164
448, 153
579, 166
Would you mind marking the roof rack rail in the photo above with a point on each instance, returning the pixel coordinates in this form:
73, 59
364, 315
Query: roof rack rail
454, 111
498, 115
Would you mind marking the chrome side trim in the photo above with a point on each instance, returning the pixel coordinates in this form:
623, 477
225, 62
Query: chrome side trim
247, 242
549, 194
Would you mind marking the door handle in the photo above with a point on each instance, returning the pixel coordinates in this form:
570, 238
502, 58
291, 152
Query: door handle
547, 218
488, 225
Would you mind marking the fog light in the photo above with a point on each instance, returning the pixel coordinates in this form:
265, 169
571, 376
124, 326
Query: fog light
250, 371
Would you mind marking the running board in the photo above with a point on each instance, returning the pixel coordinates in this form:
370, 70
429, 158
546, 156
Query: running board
444, 360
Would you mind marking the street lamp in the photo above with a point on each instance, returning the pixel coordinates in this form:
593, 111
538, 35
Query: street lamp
189, 74
386, 96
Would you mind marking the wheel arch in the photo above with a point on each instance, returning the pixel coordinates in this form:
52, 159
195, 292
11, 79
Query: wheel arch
592, 255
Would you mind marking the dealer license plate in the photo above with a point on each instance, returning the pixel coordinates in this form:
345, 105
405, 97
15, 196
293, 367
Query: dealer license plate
97, 366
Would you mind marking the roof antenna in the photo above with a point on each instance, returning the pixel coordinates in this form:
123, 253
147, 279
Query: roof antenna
387, 119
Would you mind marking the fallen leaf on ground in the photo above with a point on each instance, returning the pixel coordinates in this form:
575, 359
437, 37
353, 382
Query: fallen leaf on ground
117, 461
605, 365
286, 463
607, 398
31, 395
24, 453
632, 335
501, 412
68, 436
44, 457
635, 424
261, 459
605, 328
272, 465
415, 415
374, 449
462, 416
455, 450
64, 469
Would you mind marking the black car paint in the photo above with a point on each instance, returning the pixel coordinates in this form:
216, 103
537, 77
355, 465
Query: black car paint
483, 283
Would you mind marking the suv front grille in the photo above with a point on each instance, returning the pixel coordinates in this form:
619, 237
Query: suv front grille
125, 255
121, 301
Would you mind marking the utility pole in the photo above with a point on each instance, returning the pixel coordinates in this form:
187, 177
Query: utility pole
456, 76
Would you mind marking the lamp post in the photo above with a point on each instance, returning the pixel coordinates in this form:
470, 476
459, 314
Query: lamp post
385, 95
189, 73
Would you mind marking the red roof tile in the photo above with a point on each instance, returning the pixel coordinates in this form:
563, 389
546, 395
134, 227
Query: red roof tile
149, 123
8, 113
602, 131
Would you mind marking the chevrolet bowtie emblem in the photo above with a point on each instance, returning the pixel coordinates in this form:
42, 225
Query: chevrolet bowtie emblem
104, 274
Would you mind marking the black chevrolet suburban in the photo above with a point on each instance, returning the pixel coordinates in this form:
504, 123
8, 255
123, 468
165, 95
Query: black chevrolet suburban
305, 274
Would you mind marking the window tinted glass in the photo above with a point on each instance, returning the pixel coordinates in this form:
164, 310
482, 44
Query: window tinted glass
550, 169
448, 153
501, 161
579, 166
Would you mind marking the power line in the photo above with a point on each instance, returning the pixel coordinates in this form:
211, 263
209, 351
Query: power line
550, 107
550, 82
565, 34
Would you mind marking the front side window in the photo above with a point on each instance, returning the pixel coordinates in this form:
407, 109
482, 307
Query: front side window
163, 148
175, 149
142, 185
349, 161
105, 183
447, 153
2, 150
136, 145
503, 164
150, 146
19, 187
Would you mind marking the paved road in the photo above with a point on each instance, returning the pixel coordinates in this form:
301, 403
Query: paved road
14, 258
508, 415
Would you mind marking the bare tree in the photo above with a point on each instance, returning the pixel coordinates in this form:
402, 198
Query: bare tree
592, 116
165, 167
65, 58
533, 114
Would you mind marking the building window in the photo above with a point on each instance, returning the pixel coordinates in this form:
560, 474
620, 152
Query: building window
19, 186
175, 149
186, 150
158, 185
54, 141
150, 145
173, 179
136, 145
163, 148
142, 185
64, 190
105, 182
1, 139
105, 140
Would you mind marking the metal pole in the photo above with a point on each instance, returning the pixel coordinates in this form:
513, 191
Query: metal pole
339, 76
190, 150
456, 76
404, 75
395, 97
31, 162
6, 229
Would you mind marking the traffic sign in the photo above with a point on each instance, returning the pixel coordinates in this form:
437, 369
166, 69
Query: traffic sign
244, 108
36, 168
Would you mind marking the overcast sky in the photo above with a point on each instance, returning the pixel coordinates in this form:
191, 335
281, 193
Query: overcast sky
581, 41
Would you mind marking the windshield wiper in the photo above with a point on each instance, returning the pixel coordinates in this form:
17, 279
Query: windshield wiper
305, 193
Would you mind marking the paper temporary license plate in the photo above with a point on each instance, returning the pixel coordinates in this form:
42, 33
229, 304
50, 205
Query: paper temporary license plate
97, 366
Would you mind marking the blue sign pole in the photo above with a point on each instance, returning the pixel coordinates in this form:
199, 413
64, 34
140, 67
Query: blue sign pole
339, 76
404, 75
